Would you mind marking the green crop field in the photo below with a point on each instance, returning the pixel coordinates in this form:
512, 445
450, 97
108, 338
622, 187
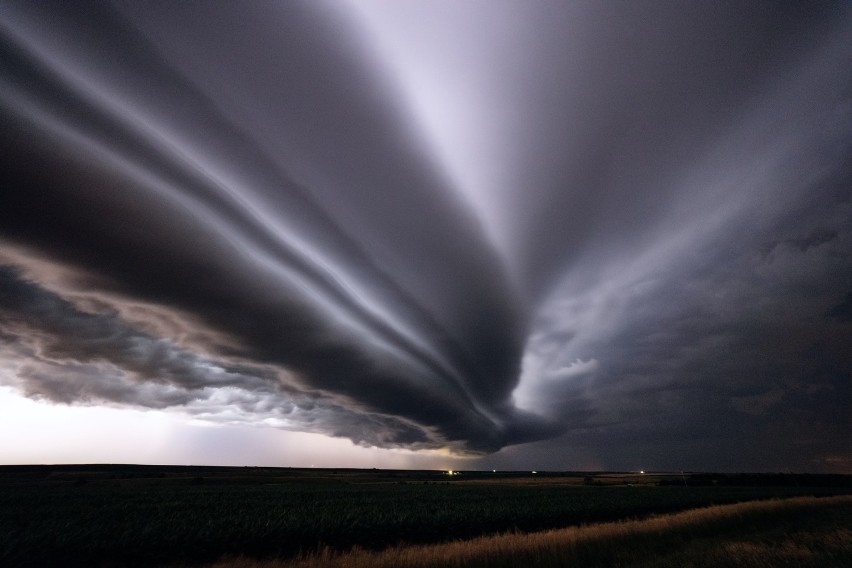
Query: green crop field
110, 516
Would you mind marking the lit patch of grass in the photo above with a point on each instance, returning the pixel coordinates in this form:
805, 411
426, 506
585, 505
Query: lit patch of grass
804, 531
814, 538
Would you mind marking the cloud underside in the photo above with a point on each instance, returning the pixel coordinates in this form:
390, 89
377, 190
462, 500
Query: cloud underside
253, 224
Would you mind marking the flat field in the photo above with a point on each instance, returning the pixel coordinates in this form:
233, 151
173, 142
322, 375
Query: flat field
170, 515
800, 532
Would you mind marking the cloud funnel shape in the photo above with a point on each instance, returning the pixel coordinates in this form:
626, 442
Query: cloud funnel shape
245, 211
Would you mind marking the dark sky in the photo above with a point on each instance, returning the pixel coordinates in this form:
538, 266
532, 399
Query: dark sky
575, 234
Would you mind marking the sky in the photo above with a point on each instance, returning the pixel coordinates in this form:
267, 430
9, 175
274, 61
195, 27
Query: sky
427, 234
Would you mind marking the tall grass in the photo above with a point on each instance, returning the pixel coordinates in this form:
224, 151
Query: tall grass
803, 531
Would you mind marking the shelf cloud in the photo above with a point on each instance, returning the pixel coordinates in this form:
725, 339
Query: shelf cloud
437, 225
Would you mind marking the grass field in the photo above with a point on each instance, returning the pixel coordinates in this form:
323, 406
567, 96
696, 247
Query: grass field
797, 532
151, 516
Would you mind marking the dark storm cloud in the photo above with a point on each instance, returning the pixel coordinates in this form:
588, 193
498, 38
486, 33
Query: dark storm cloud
241, 211
652, 87
734, 360
51, 335
67, 355
164, 195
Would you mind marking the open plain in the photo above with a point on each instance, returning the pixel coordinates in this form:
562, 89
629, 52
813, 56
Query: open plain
142, 516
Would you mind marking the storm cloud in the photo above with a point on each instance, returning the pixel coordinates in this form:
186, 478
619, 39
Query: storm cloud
437, 225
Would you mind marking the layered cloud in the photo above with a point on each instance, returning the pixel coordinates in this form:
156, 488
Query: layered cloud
600, 221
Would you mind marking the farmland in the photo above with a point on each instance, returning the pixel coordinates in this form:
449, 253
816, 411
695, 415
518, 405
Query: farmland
151, 515
801, 531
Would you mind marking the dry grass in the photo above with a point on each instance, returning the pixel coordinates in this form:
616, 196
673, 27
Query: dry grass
712, 536
826, 543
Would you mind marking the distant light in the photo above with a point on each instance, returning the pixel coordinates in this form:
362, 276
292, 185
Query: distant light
642, 472
493, 471
535, 472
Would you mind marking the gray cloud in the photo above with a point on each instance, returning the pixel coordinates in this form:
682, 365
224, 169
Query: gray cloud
69, 356
734, 359
259, 222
